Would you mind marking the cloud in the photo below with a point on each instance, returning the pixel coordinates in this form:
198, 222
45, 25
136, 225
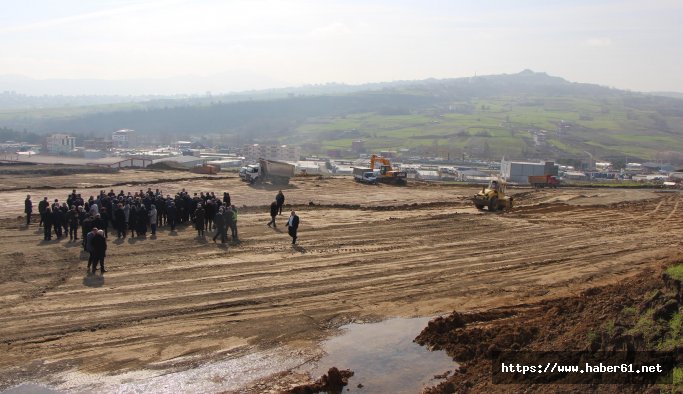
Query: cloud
599, 42
333, 30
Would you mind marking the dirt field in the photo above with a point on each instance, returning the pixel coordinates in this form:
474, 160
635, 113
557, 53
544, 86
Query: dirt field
366, 252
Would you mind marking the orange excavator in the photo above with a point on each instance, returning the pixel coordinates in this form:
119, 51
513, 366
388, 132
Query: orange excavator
387, 174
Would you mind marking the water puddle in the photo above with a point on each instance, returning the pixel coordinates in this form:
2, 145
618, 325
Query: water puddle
384, 357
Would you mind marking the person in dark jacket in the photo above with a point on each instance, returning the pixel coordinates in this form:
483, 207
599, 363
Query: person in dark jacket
72, 221
47, 224
65, 210
226, 199
142, 216
99, 249
219, 224
41, 210
98, 222
104, 221
132, 219
199, 218
172, 215
28, 209
280, 200
86, 226
58, 219
120, 221
228, 220
210, 213
235, 238
89, 246
293, 226
273, 214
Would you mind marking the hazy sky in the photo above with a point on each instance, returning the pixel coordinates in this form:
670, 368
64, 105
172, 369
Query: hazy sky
629, 44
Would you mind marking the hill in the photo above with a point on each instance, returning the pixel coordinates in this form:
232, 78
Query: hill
524, 115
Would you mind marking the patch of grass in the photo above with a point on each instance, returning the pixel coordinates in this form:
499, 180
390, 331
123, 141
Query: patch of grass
629, 311
675, 272
648, 327
608, 327
674, 338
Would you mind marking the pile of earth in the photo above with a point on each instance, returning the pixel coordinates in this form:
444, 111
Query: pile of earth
333, 382
640, 313
167, 165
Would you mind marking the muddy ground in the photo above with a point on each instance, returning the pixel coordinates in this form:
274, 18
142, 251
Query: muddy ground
365, 252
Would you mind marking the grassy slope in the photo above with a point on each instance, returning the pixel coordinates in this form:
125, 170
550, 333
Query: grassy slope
602, 128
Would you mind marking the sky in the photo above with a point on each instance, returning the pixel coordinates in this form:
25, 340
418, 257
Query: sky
255, 44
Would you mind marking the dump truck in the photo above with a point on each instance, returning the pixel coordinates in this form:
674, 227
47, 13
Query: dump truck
276, 172
364, 175
387, 174
541, 181
493, 197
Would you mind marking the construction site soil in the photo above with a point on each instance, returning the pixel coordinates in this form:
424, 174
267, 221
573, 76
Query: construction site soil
364, 253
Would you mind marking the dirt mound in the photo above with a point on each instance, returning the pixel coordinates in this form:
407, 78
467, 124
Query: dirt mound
638, 314
167, 165
333, 382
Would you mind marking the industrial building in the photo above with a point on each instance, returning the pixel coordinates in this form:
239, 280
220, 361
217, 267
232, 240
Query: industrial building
287, 153
60, 143
184, 161
124, 138
519, 172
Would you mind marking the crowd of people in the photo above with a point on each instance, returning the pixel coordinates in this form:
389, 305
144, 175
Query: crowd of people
134, 214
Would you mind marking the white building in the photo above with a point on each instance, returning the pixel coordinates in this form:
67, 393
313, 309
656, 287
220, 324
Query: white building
60, 143
519, 172
124, 138
288, 153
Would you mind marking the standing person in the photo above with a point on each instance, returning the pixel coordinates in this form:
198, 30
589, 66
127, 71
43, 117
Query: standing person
104, 221
293, 226
199, 215
86, 226
89, 247
72, 221
273, 214
172, 214
153, 218
142, 217
229, 221
210, 213
99, 250
132, 219
28, 209
126, 217
280, 199
234, 224
120, 221
226, 199
65, 211
47, 224
58, 219
41, 210
219, 224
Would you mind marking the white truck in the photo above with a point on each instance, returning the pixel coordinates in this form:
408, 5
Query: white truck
276, 172
364, 175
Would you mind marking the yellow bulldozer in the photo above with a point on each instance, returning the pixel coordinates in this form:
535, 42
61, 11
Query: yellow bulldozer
493, 197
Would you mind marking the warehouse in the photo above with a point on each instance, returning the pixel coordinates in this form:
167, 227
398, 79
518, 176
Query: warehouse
519, 172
